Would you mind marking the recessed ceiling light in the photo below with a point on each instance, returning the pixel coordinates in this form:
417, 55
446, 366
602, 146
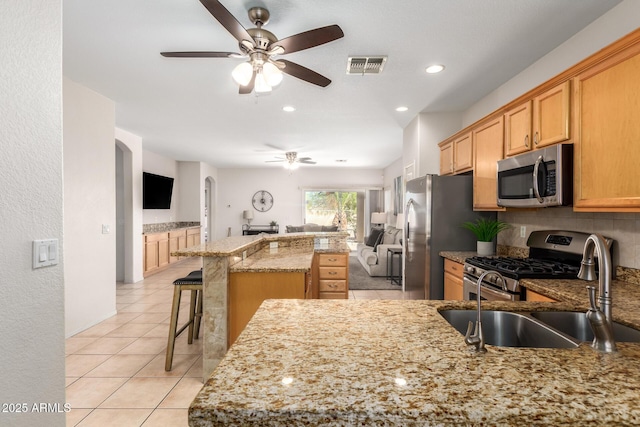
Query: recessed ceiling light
289, 108
402, 109
432, 69
341, 160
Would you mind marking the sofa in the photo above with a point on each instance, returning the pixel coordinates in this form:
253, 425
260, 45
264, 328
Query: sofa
372, 254
310, 227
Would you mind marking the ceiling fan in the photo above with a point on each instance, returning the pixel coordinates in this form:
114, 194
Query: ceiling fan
262, 71
292, 161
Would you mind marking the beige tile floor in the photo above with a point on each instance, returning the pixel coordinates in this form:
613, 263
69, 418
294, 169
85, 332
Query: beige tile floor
115, 370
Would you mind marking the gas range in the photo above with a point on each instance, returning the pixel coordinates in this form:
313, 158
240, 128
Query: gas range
553, 254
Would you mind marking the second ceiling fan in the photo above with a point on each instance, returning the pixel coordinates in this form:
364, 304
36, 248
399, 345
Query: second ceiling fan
262, 71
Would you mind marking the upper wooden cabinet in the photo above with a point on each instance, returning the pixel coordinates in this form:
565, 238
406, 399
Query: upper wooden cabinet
517, 129
607, 134
551, 114
539, 122
488, 140
456, 155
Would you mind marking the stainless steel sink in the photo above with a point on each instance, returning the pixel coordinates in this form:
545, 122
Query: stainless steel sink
507, 329
575, 324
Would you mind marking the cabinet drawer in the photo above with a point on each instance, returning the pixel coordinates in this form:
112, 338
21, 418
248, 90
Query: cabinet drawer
193, 231
177, 234
333, 285
328, 260
332, 273
332, 295
453, 267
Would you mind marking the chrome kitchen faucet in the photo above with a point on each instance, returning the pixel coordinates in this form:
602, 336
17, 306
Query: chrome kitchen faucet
477, 339
600, 318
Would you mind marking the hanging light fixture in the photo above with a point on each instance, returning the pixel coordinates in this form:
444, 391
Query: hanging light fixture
242, 73
267, 75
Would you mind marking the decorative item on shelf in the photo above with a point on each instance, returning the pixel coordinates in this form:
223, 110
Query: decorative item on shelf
378, 219
273, 224
248, 215
486, 231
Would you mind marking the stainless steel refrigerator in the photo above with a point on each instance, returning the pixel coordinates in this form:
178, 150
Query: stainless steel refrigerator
435, 208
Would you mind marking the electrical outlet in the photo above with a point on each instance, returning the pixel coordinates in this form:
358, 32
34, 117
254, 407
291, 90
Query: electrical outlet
273, 245
523, 231
244, 255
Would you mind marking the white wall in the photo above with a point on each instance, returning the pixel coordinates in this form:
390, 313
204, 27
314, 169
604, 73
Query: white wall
611, 26
237, 186
191, 191
89, 203
31, 301
132, 148
421, 138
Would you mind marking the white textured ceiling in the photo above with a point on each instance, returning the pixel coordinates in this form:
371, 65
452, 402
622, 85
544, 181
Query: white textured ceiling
190, 109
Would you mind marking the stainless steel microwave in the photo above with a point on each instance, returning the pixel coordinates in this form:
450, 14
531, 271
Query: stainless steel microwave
538, 178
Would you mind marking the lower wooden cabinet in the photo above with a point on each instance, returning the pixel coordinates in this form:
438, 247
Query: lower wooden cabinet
248, 290
453, 274
332, 272
534, 296
157, 247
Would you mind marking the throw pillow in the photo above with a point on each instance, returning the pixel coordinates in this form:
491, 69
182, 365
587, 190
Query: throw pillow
378, 242
329, 228
373, 238
390, 235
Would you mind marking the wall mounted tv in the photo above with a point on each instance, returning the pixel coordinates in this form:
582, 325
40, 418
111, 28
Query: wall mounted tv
156, 191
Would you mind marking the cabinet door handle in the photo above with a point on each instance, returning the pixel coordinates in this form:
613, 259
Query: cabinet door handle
333, 273
526, 141
332, 259
454, 268
535, 138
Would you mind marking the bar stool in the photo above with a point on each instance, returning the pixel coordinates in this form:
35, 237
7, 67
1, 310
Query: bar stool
192, 282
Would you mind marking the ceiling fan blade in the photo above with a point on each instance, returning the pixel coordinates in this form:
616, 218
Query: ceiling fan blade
274, 161
302, 159
199, 54
245, 90
303, 73
309, 39
228, 21
307, 162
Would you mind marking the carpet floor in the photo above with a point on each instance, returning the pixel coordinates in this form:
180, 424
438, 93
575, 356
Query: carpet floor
359, 279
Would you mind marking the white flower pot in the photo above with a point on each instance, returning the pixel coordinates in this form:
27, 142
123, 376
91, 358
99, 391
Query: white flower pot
485, 248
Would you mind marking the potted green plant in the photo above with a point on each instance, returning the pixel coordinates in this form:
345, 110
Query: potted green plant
273, 224
486, 231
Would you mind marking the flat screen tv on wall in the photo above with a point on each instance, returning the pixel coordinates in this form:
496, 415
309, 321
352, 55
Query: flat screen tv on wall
156, 191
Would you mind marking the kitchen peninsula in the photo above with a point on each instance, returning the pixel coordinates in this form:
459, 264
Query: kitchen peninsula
399, 363
287, 258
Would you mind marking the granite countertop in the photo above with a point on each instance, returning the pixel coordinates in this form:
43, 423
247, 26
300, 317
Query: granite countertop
399, 363
235, 244
270, 260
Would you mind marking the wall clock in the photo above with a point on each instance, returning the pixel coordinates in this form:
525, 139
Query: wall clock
262, 201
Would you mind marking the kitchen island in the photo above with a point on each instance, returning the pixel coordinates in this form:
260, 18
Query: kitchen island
399, 363
288, 254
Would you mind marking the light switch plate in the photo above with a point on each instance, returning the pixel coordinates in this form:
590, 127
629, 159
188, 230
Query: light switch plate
45, 252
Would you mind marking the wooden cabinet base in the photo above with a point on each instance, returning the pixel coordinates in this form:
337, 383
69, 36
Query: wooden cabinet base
536, 297
248, 290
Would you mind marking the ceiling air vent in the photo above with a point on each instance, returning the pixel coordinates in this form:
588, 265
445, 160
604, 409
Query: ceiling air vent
366, 64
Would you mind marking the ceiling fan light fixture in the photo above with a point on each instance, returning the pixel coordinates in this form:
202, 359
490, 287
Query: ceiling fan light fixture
272, 74
261, 86
242, 73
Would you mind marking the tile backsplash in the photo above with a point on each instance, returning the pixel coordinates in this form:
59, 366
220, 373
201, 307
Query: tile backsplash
624, 228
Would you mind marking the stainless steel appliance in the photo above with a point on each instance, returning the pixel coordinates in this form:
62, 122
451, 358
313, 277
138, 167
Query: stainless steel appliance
436, 207
553, 254
539, 178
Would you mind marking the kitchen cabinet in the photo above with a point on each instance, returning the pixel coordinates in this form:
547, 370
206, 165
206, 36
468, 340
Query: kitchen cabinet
247, 290
332, 272
456, 155
534, 296
158, 247
453, 274
607, 133
539, 122
488, 142
517, 129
